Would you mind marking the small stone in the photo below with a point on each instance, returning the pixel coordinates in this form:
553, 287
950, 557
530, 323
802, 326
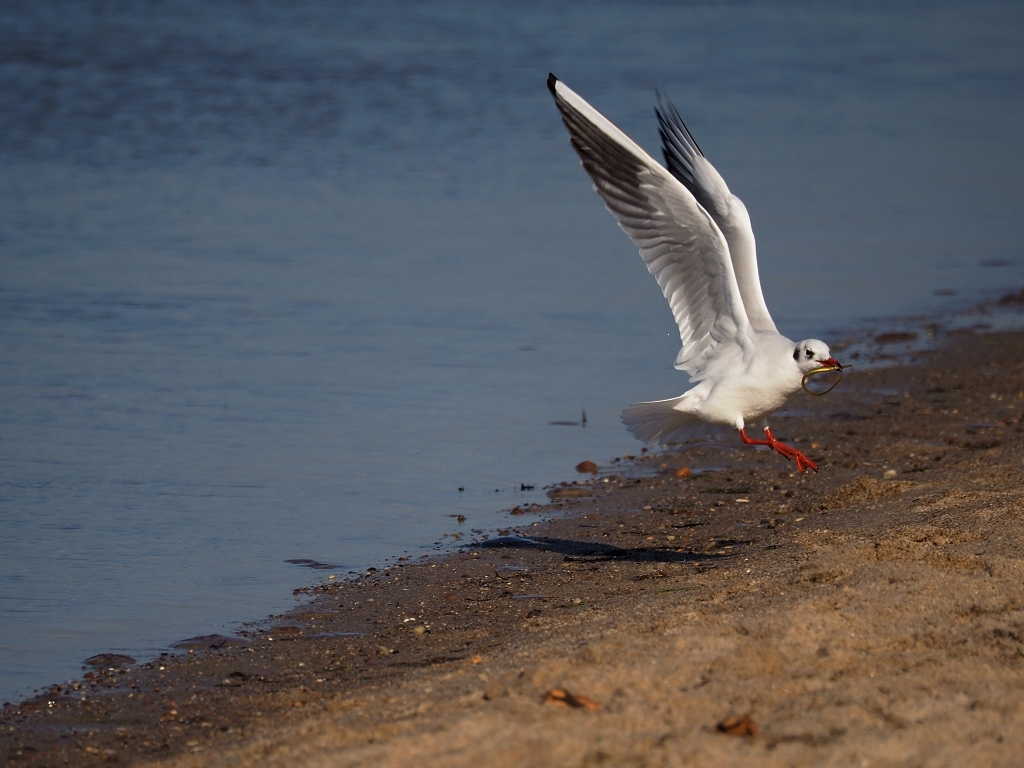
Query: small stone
419, 629
889, 474
383, 650
683, 472
587, 467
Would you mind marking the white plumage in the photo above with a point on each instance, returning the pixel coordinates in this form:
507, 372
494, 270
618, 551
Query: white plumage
695, 237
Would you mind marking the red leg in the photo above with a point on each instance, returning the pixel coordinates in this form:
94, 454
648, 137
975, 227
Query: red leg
802, 462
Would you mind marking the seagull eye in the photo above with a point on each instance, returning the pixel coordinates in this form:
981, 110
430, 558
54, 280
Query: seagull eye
809, 353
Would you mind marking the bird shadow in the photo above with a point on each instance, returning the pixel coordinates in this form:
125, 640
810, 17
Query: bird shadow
586, 551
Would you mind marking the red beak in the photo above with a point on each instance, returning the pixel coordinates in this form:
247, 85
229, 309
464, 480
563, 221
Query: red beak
831, 362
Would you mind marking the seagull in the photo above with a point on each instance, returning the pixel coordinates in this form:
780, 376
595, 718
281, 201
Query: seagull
695, 237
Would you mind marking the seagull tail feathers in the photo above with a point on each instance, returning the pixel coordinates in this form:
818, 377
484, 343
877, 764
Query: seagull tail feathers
662, 422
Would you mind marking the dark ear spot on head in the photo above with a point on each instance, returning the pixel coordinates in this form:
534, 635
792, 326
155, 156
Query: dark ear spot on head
796, 354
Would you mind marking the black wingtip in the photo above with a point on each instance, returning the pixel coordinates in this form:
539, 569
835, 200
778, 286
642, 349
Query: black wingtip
552, 80
667, 113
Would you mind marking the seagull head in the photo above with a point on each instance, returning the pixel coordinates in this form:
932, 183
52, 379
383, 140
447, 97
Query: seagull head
811, 354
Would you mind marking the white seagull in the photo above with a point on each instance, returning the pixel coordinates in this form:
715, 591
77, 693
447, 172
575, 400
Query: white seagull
695, 237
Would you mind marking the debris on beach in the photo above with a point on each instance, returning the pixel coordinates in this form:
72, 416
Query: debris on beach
562, 698
743, 725
587, 467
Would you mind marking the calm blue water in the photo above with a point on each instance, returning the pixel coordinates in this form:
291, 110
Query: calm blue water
277, 278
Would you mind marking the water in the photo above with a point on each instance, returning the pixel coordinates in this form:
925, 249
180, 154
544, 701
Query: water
277, 279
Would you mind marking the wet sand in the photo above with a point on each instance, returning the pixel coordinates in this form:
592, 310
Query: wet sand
872, 615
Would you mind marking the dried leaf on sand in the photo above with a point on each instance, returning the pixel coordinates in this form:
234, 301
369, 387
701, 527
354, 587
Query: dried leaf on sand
562, 698
743, 725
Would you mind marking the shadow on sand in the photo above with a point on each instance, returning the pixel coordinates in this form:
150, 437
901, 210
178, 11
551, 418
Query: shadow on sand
593, 552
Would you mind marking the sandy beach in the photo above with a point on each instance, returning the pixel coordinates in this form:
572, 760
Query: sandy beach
871, 615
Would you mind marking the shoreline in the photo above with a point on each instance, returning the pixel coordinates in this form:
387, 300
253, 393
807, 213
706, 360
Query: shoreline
700, 579
910, 336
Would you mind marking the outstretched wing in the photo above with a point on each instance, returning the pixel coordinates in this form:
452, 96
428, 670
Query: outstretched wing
679, 241
687, 163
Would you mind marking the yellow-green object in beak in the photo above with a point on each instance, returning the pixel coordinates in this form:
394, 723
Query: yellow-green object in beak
823, 379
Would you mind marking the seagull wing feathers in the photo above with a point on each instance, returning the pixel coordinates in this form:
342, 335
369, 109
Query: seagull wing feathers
678, 239
687, 163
